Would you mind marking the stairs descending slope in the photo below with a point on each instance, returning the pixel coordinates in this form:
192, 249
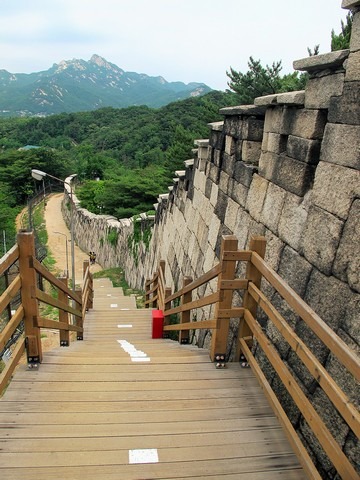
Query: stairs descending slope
120, 404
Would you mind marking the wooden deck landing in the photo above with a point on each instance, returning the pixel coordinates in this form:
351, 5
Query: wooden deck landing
120, 397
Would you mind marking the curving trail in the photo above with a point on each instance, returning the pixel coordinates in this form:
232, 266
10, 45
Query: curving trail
57, 242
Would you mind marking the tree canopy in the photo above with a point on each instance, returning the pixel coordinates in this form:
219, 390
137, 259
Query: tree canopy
259, 81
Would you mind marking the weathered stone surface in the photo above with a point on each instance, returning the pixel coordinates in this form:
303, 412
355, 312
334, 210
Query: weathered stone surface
217, 157
208, 187
230, 145
228, 164
221, 205
233, 126
214, 228
238, 192
355, 33
274, 142
266, 100
341, 145
217, 139
224, 182
308, 123
251, 152
295, 270
321, 62
328, 297
347, 262
272, 208
291, 98
346, 381
231, 214
273, 120
335, 188
293, 219
244, 173
214, 173
319, 90
243, 110
350, 4
290, 174
302, 149
353, 67
321, 239
345, 109
256, 196
351, 321
214, 194
252, 129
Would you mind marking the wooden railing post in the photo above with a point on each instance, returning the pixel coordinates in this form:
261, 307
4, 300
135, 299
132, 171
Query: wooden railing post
161, 285
28, 288
155, 290
90, 300
185, 316
147, 290
258, 245
167, 306
221, 331
79, 320
64, 316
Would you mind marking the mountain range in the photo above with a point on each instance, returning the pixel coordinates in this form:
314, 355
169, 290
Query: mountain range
80, 85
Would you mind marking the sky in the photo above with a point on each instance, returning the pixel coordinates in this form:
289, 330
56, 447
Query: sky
180, 40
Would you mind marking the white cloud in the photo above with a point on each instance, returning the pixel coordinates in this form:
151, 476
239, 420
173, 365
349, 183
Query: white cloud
188, 40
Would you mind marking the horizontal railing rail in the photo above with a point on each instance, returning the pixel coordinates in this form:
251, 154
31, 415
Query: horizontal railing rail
71, 306
253, 338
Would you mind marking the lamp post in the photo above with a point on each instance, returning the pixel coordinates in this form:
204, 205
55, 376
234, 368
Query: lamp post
39, 175
66, 250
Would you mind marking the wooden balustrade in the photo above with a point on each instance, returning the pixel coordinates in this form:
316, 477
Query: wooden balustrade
28, 313
250, 332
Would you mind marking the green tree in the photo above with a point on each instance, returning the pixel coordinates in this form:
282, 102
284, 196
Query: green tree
259, 81
342, 40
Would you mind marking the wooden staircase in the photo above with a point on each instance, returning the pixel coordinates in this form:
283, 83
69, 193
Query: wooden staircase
120, 405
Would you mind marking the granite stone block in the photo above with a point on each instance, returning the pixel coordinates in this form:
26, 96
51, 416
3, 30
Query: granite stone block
335, 188
321, 238
341, 145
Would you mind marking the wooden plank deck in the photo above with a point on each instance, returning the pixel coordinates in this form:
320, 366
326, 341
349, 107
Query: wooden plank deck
101, 407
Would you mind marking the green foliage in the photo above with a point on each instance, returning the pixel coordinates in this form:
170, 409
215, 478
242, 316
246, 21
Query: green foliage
112, 237
259, 81
342, 40
132, 151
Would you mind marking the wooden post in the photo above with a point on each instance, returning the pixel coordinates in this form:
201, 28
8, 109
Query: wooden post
89, 305
258, 245
155, 289
28, 287
185, 316
147, 296
64, 316
221, 331
166, 307
79, 321
86, 265
161, 285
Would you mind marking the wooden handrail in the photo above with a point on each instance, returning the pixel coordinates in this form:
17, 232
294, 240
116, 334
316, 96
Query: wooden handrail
28, 312
249, 330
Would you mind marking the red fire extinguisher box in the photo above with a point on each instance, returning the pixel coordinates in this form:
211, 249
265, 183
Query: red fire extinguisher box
157, 323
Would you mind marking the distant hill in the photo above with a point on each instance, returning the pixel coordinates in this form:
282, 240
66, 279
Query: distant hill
79, 85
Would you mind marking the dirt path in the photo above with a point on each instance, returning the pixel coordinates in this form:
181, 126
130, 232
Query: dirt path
57, 241
57, 247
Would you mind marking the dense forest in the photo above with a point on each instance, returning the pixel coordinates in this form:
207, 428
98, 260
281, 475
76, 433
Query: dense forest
124, 157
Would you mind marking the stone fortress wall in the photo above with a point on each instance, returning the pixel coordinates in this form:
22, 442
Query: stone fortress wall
286, 168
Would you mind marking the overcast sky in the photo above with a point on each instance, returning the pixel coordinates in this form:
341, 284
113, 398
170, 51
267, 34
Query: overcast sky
186, 40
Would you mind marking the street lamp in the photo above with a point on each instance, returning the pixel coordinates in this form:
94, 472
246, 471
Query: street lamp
39, 175
66, 250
